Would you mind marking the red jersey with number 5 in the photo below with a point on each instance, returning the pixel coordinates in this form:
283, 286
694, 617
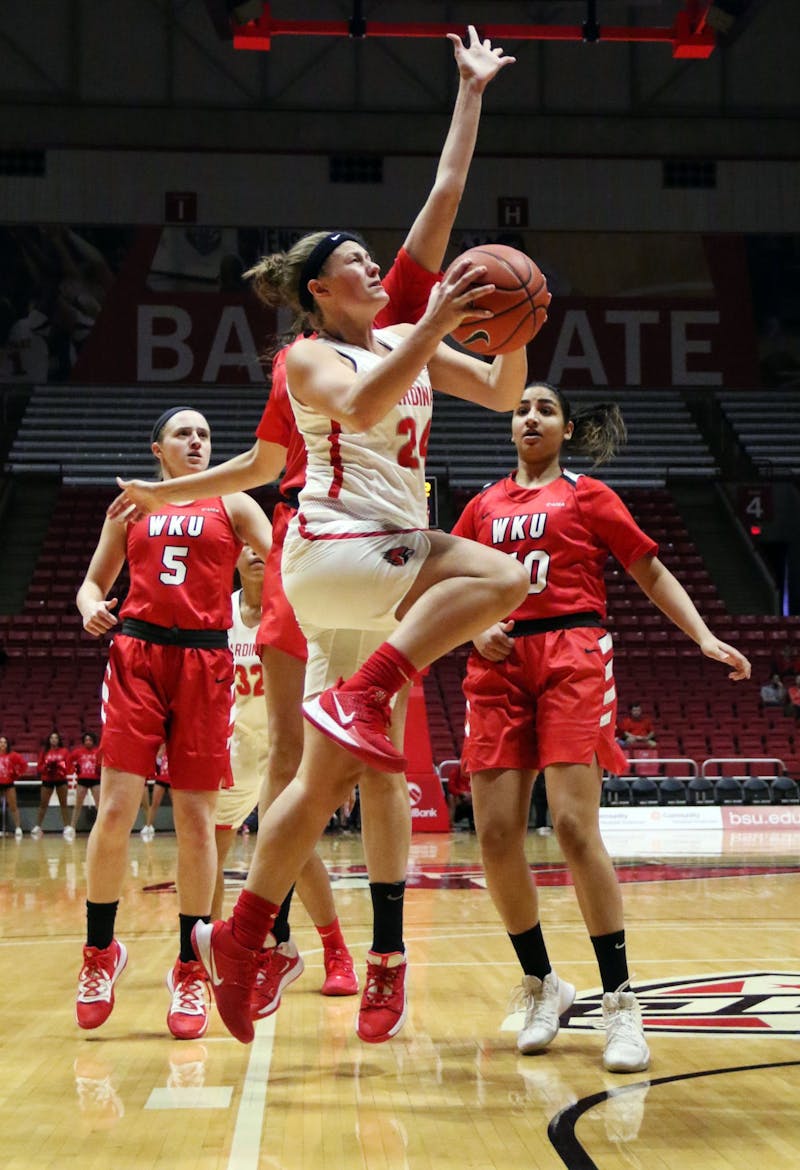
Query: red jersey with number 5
562, 533
181, 561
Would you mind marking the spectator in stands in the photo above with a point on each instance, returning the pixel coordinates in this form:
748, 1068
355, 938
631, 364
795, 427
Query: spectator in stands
773, 692
84, 765
793, 695
459, 797
53, 768
541, 696
12, 768
168, 680
637, 728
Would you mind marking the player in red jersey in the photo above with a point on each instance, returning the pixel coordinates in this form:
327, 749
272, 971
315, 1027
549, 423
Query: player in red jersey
12, 768
540, 695
84, 765
281, 642
169, 673
53, 768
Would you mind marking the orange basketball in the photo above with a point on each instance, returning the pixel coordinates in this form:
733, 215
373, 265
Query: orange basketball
519, 302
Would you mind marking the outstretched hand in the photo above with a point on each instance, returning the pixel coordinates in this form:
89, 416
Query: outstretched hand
136, 499
478, 61
722, 652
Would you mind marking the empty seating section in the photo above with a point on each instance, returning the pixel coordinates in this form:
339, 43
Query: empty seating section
767, 426
698, 713
471, 446
91, 434
54, 670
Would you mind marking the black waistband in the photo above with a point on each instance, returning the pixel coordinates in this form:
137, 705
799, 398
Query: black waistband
172, 636
566, 621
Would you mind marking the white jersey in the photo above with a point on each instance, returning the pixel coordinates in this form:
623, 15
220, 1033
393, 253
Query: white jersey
249, 710
250, 741
374, 480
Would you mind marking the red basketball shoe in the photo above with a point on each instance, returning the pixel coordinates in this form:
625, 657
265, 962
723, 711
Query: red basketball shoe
340, 977
187, 1018
231, 971
100, 971
383, 1003
277, 967
357, 721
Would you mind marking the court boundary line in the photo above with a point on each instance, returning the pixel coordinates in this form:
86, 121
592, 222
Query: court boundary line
561, 1128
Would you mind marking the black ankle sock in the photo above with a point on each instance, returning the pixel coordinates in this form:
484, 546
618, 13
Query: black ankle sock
531, 951
100, 919
387, 916
611, 959
281, 928
188, 923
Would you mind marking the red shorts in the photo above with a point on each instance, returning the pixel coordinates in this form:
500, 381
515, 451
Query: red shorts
176, 695
552, 701
278, 628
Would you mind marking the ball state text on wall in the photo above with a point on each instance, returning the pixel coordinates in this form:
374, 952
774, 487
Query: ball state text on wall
599, 346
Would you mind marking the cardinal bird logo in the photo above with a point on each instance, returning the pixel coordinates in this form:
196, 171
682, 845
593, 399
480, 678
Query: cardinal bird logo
399, 555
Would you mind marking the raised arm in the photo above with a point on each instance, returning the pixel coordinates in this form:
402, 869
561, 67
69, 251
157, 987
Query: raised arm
477, 64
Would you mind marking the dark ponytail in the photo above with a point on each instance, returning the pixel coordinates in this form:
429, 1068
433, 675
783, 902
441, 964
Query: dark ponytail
599, 430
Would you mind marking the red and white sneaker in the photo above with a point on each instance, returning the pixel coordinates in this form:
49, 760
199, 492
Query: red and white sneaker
277, 968
358, 721
187, 1018
100, 971
383, 1003
231, 971
340, 976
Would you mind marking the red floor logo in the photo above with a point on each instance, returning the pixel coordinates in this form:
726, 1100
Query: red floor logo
756, 1003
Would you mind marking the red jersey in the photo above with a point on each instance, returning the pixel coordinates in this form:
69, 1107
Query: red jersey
12, 766
642, 727
408, 286
181, 561
85, 763
54, 764
562, 533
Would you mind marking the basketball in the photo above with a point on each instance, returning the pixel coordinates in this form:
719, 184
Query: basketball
518, 303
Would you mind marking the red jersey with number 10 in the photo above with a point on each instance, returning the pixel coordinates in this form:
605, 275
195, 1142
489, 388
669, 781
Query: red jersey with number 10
562, 533
181, 561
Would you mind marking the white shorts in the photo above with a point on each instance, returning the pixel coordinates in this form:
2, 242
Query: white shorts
249, 751
345, 582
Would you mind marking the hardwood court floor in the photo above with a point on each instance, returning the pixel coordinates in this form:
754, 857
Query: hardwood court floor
713, 943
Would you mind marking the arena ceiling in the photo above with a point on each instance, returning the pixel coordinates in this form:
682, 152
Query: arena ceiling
165, 73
